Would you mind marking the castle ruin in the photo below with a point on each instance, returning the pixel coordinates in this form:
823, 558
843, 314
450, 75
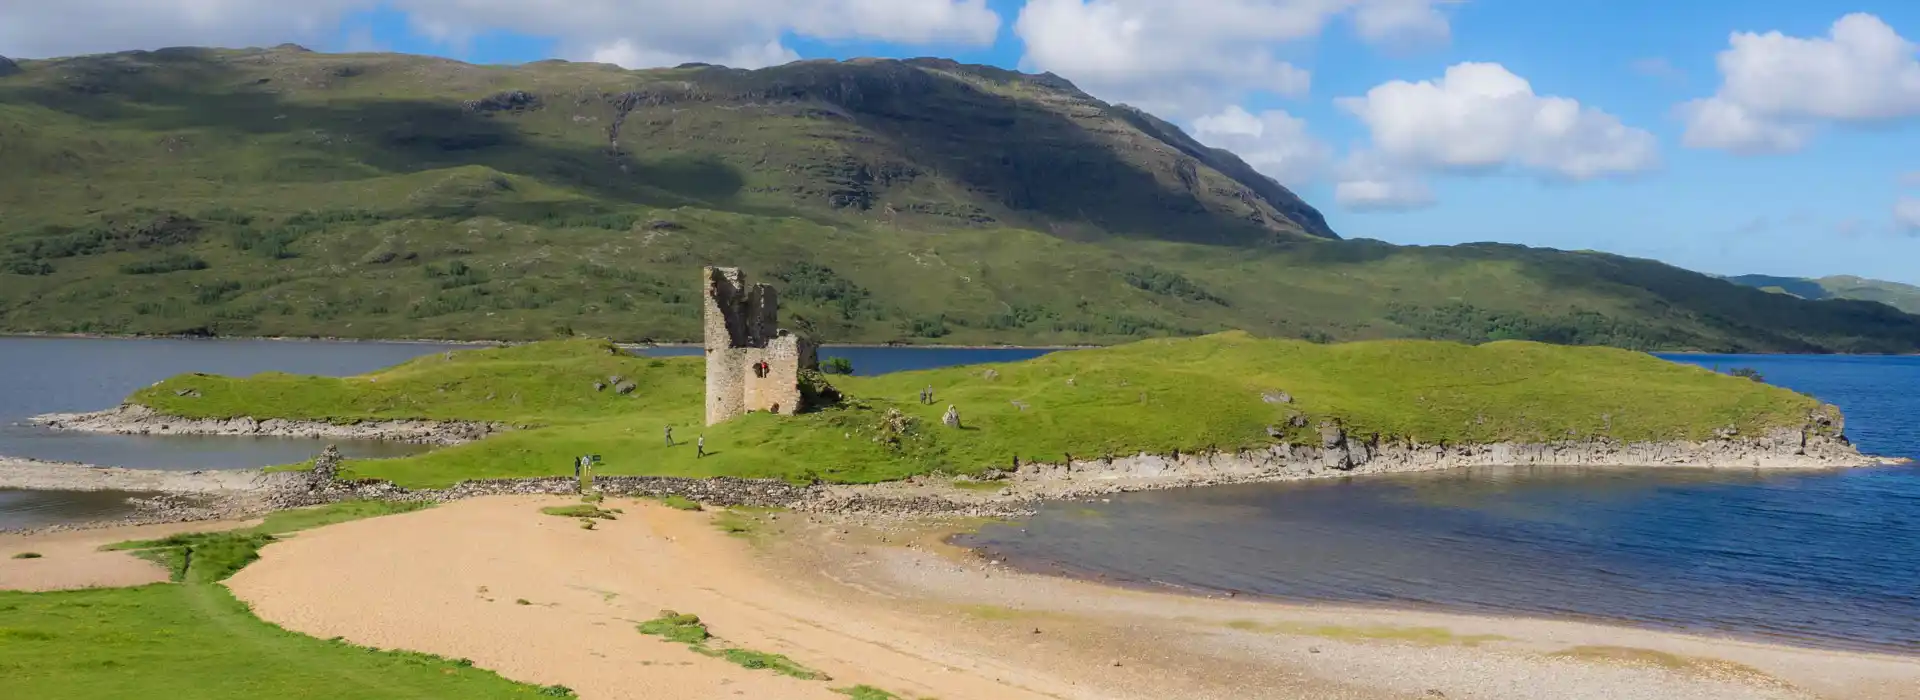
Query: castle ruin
752, 364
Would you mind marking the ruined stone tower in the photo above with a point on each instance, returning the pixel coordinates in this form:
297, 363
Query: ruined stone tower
752, 365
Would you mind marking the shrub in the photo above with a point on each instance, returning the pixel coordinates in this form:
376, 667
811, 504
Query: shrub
174, 262
837, 365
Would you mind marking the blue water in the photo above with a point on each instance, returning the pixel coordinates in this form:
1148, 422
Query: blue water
1829, 559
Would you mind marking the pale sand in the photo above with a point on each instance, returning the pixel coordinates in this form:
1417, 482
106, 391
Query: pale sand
894, 609
73, 559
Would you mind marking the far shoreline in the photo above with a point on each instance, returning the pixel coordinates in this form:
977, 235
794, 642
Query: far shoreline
863, 346
509, 343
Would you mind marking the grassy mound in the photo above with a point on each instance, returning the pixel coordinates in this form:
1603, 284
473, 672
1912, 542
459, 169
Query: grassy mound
1220, 392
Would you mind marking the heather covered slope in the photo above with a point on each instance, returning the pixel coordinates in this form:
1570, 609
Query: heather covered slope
285, 192
1220, 392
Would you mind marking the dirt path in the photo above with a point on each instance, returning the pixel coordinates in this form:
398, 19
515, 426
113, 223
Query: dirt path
541, 600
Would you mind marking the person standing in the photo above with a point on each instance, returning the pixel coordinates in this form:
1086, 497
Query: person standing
669, 436
700, 447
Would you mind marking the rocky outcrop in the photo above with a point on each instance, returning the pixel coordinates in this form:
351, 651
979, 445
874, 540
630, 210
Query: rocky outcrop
8, 67
1819, 445
134, 419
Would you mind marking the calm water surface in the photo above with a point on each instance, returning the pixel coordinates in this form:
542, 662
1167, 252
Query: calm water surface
1828, 559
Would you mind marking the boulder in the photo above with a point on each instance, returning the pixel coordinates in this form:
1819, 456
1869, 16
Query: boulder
951, 418
8, 67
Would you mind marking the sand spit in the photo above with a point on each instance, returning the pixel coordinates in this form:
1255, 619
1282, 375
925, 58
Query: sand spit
542, 600
69, 476
73, 559
134, 419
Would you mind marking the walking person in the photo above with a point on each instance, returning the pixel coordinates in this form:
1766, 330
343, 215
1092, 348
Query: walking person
700, 447
669, 436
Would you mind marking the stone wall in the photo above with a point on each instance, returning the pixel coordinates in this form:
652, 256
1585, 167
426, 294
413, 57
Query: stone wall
752, 365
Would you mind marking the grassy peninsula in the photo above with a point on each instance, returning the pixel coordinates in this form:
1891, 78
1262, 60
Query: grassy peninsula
1220, 392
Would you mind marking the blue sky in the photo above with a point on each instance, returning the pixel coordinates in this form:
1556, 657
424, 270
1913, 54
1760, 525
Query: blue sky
1817, 194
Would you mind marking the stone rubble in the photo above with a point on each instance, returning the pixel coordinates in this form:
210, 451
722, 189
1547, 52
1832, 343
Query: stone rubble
135, 419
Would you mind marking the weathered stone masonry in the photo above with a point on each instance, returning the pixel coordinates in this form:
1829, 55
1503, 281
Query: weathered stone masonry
752, 364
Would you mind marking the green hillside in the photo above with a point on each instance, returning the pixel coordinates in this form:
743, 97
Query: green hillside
1222, 391
285, 192
1904, 297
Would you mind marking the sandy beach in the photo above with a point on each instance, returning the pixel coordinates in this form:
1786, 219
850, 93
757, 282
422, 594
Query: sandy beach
541, 600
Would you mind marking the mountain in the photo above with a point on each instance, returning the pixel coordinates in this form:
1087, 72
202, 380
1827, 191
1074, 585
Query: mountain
285, 192
1904, 297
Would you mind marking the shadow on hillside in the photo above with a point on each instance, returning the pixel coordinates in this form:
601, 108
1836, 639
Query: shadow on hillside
1038, 166
393, 136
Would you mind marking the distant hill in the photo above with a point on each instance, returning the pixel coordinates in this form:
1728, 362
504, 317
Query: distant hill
286, 192
1904, 297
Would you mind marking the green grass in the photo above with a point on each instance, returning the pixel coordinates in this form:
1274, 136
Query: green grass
304, 194
583, 510
777, 663
689, 630
194, 641
676, 627
1217, 392
867, 692
678, 502
27, 555
207, 557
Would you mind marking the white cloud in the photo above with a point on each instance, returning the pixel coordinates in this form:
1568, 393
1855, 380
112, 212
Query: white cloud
1481, 117
1368, 182
1401, 21
1183, 58
1775, 88
1657, 67
1273, 142
636, 33
1906, 213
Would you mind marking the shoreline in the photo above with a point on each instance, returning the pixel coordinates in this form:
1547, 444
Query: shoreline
695, 344
885, 604
888, 603
506, 343
135, 419
1388, 607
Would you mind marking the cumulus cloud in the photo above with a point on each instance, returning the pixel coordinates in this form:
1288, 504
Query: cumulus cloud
634, 33
1657, 67
1369, 182
1775, 89
1906, 213
1273, 142
1482, 117
1185, 58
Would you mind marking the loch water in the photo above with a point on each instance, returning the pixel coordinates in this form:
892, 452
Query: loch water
1824, 559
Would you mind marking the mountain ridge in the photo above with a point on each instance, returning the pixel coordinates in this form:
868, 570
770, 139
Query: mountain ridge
286, 192
1905, 297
